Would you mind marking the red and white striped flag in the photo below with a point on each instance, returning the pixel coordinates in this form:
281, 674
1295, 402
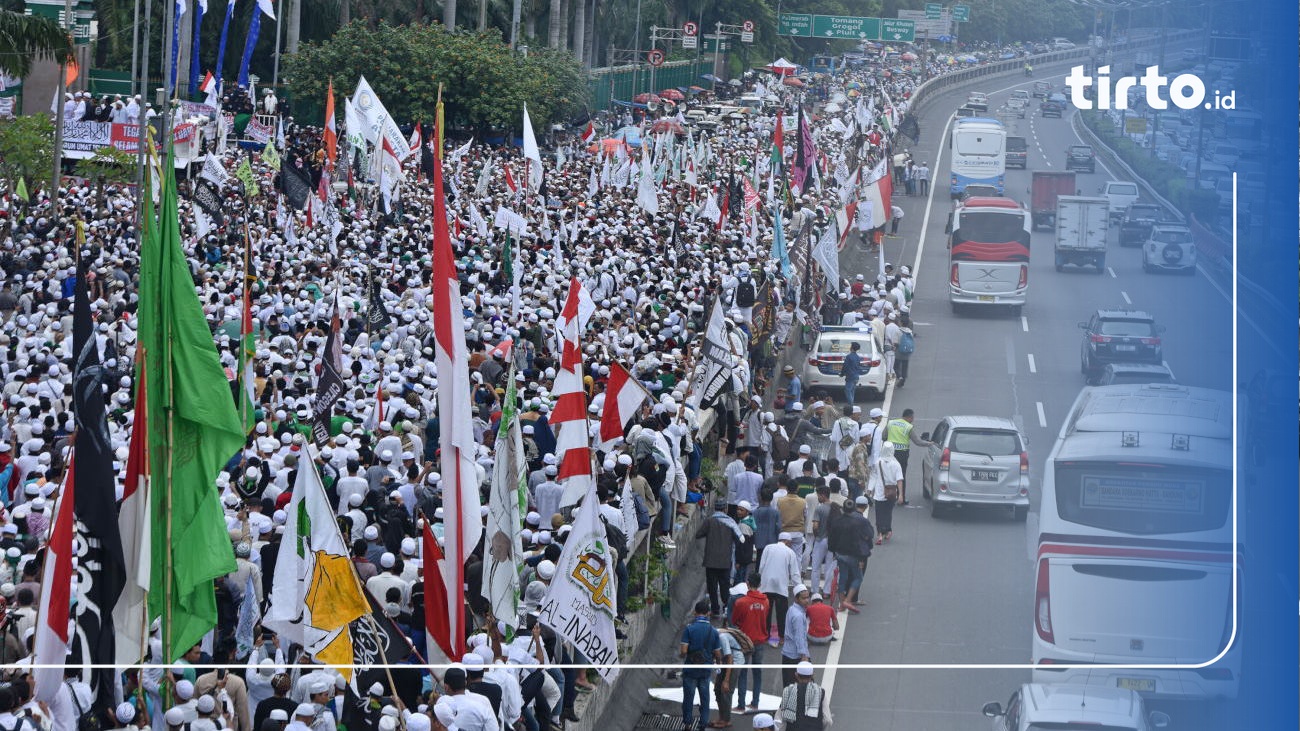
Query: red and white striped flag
464, 524
134, 526
414, 142
572, 442
510, 179
589, 134
331, 135
376, 414
878, 191
52, 632
624, 396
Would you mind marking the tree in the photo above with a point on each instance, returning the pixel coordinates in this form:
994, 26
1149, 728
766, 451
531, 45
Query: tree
26, 148
26, 38
485, 85
109, 165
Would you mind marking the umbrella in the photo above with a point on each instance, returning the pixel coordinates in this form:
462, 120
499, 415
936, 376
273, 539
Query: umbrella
833, 107
854, 93
854, 85
231, 328
672, 94
606, 146
645, 98
782, 67
697, 89
734, 82
909, 56
711, 78
667, 125
504, 347
792, 81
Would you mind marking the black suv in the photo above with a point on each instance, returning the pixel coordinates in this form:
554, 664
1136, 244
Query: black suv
1136, 225
1053, 106
1119, 336
1017, 155
1080, 157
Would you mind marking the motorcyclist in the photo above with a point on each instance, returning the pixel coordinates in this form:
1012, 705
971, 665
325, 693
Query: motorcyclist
1029, 70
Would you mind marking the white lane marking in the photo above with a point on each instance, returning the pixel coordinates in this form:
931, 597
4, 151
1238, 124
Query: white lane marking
1042, 416
1124, 294
833, 654
1165, 363
1112, 273
1024, 323
1033, 367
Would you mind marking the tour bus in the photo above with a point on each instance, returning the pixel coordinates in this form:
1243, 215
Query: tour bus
1136, 547
988, 253
978, 147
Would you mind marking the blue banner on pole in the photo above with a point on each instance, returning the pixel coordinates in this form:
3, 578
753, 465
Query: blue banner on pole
199, 9
176, 44
221, 48
254, 27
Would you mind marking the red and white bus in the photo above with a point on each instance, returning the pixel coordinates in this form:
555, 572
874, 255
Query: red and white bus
988, 253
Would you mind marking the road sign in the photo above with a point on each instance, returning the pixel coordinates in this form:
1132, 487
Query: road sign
747, 26
747, 36
690, 42
795, 24
655, 57
961, 13
690, 28
846, 26
715, 44
897, 31
933, 11
928, 28
1135, 125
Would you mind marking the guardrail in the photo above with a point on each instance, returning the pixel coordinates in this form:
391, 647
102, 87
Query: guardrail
924, 91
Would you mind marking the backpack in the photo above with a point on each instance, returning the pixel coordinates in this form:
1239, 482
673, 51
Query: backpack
642, 513
780, 447
86, 720
698, 656
746, 294
741, 639
616, 537
906, 344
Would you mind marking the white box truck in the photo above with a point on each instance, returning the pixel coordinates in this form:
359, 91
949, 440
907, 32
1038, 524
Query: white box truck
1081, 227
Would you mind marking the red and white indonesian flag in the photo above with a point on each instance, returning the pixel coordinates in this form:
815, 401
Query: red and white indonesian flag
134, 524
53, 635
624, 396
572, 441
878, 190
845, 219
589, 134
209, 89
463, 523
584, 308
331, 135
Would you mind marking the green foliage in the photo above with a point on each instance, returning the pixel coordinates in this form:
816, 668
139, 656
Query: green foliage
26, 38
108, 165
1169, 181
26, 148
646, 580
484, 85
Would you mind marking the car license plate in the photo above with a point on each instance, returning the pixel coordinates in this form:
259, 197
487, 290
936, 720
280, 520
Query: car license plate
1137, 684
1125, 348
984, 475
988, 298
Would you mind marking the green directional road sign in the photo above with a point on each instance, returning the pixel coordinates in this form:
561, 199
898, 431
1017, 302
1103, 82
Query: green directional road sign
898, 31
710, 45
845, 26
795, 24
961, 13
933, 11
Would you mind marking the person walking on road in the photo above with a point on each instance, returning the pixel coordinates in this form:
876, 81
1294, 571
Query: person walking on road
778, 571
923, 178
804, 704
751, 613
895, 218
886, 486
901, 434
794, 647
700, 646
721, 534
852, 537
852, 370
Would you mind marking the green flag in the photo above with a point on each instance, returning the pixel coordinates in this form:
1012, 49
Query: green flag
193, 432
271, 157
21, 190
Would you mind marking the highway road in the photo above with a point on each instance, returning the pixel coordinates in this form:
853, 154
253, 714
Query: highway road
959, 590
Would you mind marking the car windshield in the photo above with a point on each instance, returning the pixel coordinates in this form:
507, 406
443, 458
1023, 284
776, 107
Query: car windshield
1172, 237
1057, 98
1123, 378
991, 442
841, 346
1122, 189
1127, 328
1081, 151
1143, 212
1017, 144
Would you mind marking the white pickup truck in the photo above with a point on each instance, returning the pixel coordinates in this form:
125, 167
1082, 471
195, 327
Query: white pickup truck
1081, 228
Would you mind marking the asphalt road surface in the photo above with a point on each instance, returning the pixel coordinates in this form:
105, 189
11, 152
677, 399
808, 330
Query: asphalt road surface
959, 590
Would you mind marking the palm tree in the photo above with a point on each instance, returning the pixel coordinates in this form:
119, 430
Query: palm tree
25, 38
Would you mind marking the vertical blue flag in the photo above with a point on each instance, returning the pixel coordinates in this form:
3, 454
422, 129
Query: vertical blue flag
176, 44
779, 251
221, 49
200, 8
254, 27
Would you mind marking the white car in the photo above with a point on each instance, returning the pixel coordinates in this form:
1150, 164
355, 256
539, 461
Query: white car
1062, 44
826, 357
1169, 248
1119, 194
1073, 708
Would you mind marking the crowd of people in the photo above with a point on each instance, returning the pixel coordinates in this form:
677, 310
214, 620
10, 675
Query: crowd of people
780, 514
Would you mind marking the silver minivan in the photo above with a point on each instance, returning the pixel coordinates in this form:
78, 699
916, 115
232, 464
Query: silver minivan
976, 460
